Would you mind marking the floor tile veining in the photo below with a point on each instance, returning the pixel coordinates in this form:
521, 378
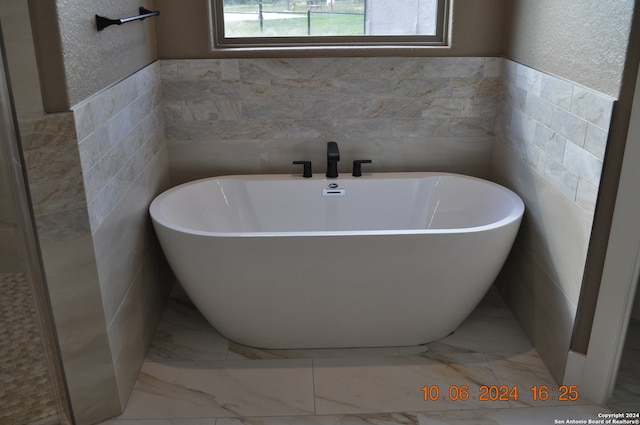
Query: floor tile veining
194, 376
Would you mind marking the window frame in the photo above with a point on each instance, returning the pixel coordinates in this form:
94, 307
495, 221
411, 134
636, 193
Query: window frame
221, 43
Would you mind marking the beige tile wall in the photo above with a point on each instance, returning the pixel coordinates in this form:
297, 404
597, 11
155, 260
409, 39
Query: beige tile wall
55, 180
124, 163
92, 173
118, 130
259, 115
551, 142
558, 128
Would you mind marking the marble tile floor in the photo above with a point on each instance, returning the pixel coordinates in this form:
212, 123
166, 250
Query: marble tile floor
192, 375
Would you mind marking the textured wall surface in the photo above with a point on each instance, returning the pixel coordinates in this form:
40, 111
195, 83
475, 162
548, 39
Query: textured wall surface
583, 41
75, 59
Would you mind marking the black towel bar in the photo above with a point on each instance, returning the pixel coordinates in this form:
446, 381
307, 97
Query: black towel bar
103, 22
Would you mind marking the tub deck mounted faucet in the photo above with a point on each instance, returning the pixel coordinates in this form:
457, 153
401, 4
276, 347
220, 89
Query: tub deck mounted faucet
333, 156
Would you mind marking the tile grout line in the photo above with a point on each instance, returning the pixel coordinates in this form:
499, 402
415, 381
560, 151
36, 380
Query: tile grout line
313, 385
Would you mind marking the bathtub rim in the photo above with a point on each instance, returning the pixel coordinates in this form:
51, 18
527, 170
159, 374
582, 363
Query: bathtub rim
515, 215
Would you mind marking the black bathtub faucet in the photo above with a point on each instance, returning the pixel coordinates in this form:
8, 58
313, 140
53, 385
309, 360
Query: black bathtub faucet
333, 156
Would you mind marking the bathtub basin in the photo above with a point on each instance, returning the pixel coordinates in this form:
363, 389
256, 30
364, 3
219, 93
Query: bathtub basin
389, 259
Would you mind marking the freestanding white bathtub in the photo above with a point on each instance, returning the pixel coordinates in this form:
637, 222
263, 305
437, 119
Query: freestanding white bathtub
390, 259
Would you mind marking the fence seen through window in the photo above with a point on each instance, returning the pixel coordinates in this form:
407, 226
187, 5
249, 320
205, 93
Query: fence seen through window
329, 18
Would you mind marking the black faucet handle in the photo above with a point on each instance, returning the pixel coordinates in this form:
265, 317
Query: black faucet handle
357, 166
306, 168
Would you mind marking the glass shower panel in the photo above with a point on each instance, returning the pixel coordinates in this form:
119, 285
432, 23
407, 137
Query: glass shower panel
31, 388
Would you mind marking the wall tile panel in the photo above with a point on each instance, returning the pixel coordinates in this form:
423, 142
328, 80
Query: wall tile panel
114, 126
551, 142
567, 122
373, 104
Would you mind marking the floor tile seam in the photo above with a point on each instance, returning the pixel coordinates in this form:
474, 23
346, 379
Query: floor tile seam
495, 376
419, 415
351, 357
415, 413
190, 417
500, 355
232, 360
304, 366
506, 409
320, 416
516, 404
313, 386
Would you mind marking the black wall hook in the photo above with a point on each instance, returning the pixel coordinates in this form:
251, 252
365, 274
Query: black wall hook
103, 22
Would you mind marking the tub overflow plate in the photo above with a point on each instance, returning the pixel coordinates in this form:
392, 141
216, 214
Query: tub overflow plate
334, 190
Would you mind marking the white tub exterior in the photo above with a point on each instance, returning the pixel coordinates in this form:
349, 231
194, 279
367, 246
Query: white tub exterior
389, 259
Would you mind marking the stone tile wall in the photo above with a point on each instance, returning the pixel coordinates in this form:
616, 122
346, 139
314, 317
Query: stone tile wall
54, 177
119, 130
552, 136
92, 173
258, 115
124, 164
558, 128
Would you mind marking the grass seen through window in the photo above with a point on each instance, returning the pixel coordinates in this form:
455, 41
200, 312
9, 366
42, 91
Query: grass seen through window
293, 19
328, 24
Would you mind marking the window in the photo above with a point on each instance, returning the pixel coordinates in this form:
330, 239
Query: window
338, 23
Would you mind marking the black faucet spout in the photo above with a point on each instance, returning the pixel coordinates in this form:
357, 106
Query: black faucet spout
333, 156
332, 151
